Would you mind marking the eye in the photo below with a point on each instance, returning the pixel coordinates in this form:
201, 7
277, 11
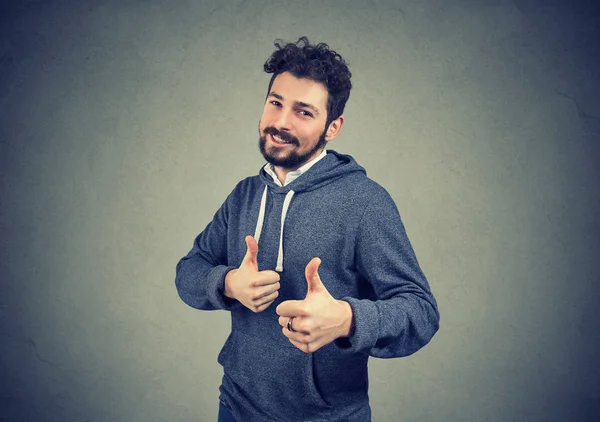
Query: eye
306, 113
275, 103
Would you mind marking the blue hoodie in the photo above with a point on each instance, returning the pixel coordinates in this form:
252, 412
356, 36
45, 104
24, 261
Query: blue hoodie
334, 212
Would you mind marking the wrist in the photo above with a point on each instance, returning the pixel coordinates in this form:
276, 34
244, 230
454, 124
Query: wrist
227, 292
347, 327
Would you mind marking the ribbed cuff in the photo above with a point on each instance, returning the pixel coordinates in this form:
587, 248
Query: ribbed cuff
366, 326
216, 288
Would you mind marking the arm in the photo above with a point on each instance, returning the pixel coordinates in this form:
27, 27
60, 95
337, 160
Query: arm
403, 315
205, 280
200, 275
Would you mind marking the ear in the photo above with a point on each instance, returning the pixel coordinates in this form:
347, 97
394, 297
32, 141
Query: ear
334, 128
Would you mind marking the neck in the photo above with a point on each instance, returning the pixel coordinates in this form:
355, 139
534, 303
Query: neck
282, 172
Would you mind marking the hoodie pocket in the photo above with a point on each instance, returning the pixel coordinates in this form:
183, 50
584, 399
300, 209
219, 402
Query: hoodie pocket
272, 375
313, 387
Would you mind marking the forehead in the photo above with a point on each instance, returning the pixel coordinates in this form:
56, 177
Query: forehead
303, 90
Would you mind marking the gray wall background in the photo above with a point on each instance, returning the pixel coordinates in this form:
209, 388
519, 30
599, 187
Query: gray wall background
124, 125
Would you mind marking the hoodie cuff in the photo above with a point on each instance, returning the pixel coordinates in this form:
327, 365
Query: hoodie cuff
366, 326
216, 288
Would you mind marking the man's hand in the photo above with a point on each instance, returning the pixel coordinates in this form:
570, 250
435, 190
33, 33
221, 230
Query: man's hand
256, 290
317, 320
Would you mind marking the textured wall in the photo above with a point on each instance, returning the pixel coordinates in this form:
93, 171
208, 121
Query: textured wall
124, 125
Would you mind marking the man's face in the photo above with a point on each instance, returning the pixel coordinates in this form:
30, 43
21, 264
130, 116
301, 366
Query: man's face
292, 127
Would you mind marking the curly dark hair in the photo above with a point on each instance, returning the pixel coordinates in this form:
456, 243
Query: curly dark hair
318, 63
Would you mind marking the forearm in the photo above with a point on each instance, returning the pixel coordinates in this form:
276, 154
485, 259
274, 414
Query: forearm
201, 285
200, 275
394, 327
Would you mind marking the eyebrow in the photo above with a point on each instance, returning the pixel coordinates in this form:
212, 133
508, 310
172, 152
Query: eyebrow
296, 103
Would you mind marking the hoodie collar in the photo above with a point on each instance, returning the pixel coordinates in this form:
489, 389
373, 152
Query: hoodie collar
327, 170
293, 175
328, 167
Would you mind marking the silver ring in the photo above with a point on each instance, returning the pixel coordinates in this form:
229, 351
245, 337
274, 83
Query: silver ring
289, 325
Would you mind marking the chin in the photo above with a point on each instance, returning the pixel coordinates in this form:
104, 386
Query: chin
277, 158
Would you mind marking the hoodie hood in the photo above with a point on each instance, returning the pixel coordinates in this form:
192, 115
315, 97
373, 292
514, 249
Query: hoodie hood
332, 167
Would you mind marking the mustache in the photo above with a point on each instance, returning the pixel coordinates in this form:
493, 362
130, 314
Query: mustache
270, 130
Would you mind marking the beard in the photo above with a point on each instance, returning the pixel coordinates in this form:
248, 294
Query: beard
292, 160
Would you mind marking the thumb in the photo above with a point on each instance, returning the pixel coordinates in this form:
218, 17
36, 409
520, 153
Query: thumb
312, 276
251, 253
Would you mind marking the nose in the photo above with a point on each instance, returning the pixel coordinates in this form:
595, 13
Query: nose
283, 121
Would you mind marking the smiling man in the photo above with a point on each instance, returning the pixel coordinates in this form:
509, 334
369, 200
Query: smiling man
303, 109
310, 257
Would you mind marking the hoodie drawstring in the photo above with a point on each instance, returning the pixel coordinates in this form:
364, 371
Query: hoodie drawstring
261, 220
261, 215
286, 205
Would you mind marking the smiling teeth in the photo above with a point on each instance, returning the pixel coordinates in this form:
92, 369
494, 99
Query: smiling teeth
278, 139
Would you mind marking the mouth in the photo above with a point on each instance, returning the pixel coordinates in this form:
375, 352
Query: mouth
278, 141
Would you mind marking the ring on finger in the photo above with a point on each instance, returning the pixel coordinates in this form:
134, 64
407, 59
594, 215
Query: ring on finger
289, 325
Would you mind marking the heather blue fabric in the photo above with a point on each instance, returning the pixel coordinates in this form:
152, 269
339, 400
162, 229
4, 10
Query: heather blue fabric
351, 223
224, 414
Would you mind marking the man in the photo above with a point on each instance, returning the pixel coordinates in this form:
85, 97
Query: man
328, 277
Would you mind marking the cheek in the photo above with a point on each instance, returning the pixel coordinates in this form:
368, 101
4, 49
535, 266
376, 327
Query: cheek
263, 118
309, 136
267, 115
262, 124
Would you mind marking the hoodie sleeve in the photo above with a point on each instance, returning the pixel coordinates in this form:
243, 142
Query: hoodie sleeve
200, 275
403, 316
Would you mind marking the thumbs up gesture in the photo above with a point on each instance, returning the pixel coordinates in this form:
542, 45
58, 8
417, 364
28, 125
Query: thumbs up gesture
317, 320
256, 290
